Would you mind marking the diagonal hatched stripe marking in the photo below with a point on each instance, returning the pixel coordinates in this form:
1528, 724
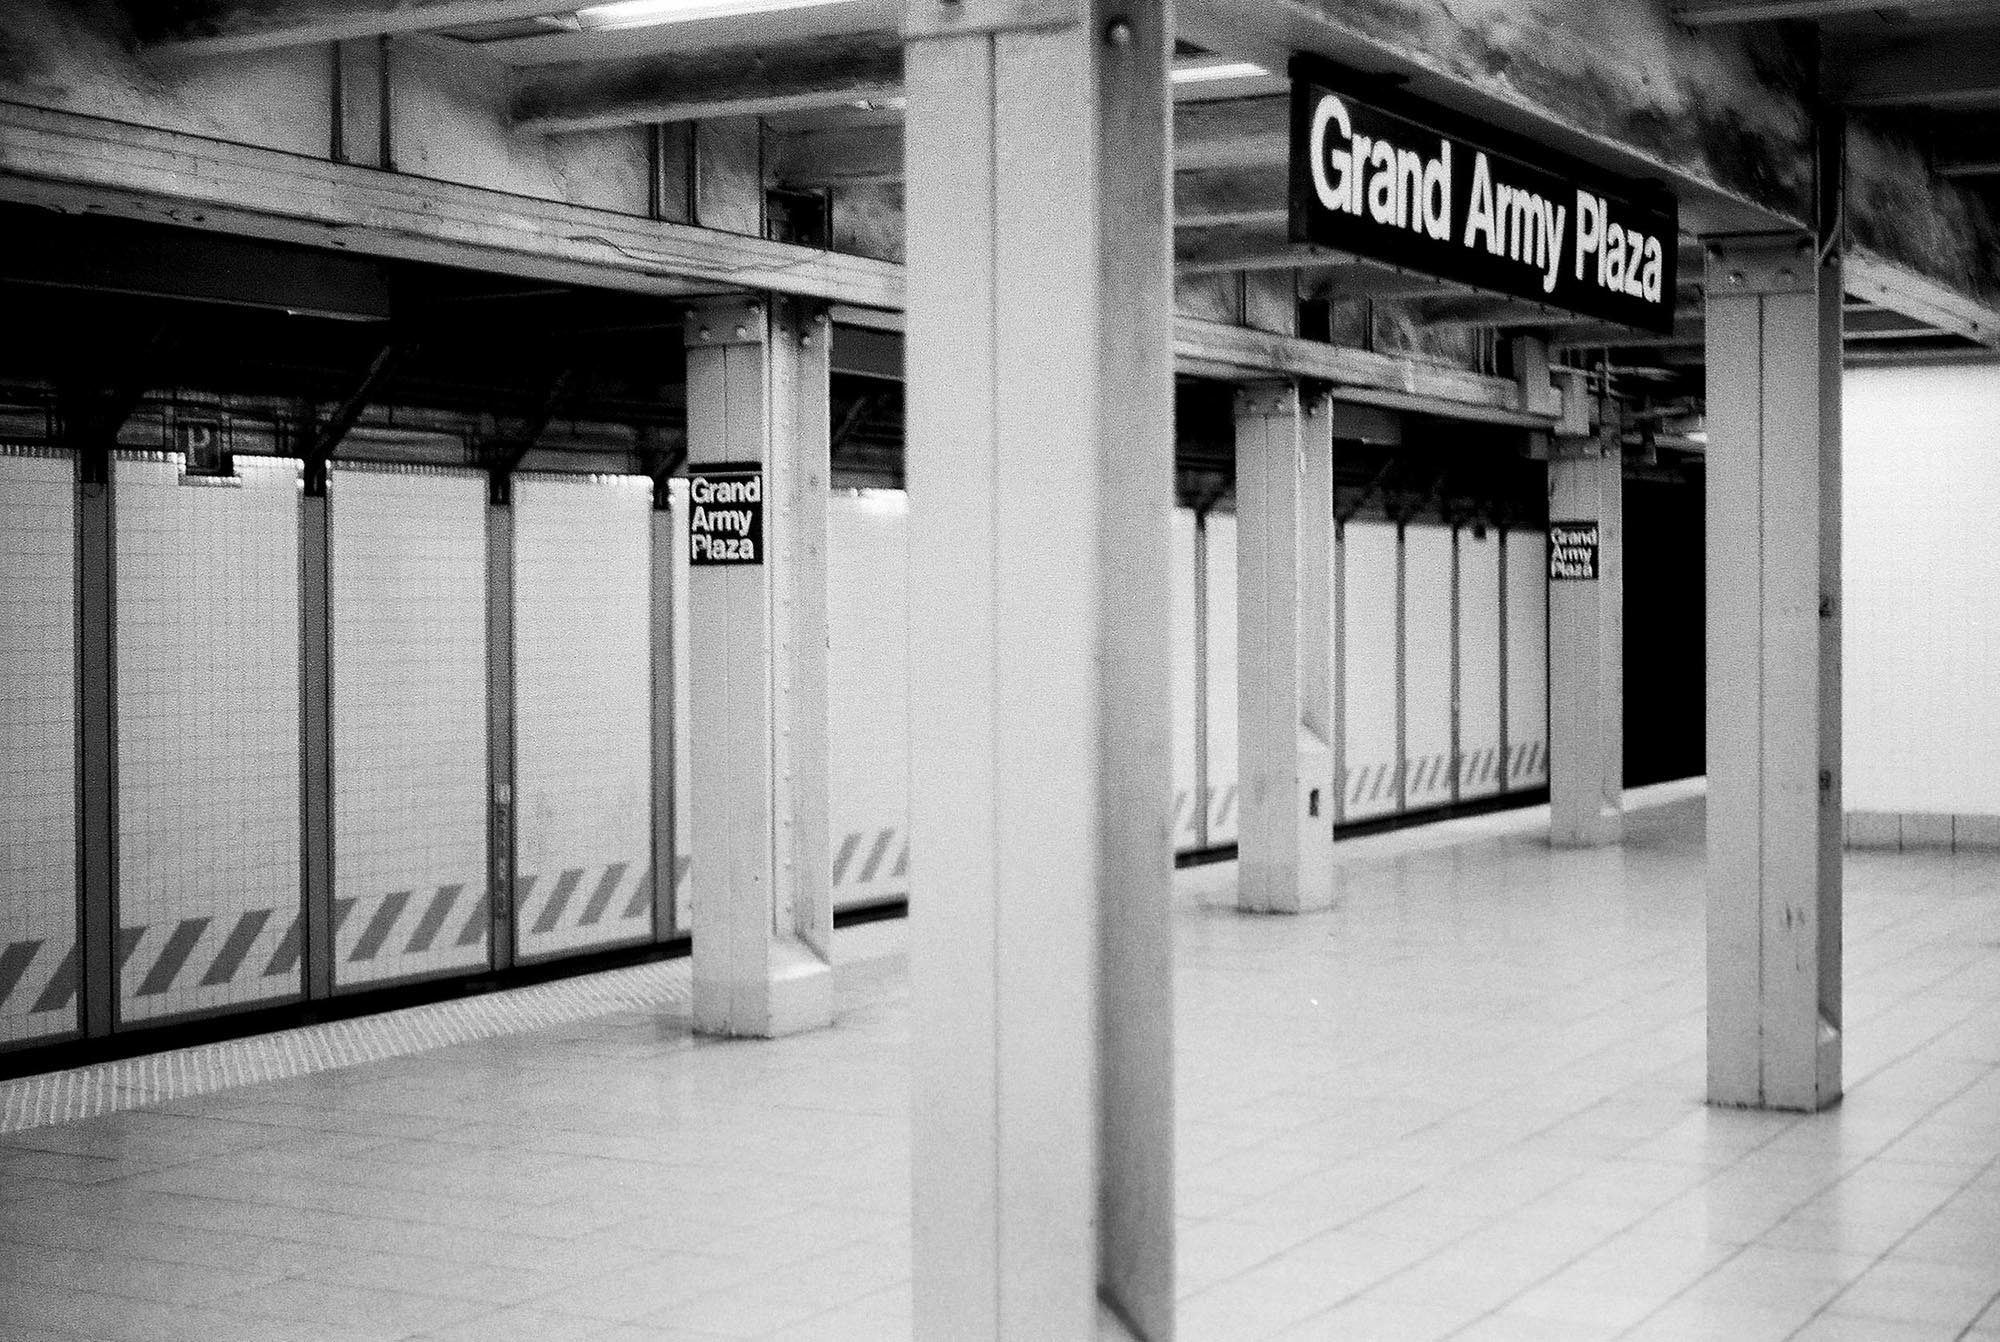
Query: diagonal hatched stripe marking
433, 919
642, 897
875, 856
600, 898
379, 927
180, 944
14, 962
61, 985
552, 911
844, 857
235, 947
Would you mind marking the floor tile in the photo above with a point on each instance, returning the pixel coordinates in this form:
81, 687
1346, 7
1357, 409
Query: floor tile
1467, 1102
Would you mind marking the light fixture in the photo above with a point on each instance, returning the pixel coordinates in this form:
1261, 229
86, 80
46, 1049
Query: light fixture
1208, 74
646, 13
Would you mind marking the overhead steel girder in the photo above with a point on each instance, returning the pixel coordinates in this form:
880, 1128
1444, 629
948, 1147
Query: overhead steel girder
1701, 13
220, 27
1944, 70
75, 163
689, 86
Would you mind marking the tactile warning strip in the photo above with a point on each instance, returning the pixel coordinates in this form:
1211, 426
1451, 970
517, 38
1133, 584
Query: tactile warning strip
133, 1083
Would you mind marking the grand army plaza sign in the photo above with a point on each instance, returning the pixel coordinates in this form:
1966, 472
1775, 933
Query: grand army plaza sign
1396, 187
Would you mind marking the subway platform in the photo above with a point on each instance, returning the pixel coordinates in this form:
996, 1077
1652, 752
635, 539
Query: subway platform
1466, 1103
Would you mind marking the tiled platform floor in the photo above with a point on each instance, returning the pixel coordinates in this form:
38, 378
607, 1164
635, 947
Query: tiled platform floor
1465, 1104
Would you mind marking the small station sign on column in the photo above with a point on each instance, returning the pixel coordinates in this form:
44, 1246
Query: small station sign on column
726, 514
1572, 552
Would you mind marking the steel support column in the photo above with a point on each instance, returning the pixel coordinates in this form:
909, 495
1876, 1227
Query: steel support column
316, 733
1774, 919
666, 860
97, 740
1284, 681
1586, 652
1041, 485
757, 377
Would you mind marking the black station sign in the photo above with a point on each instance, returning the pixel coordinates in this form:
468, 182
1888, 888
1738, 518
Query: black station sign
1572, 552
725, 513
1395, 186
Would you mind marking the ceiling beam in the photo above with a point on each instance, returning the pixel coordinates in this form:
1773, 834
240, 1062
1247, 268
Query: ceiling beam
1899, 289
1956, 70
1701, 13
837, 156
696, 85
809, 23
1690, 331
1208, 251
78, 163
1265, 219
1239, 133
225, 27
1241, 146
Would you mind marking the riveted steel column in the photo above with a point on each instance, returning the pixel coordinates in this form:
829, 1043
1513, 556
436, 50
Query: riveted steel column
1774, 862
1586, 652
1198, 804
665, 860
316, 737
1041, 489
757, 374
97, 742
500, 846
1284, 681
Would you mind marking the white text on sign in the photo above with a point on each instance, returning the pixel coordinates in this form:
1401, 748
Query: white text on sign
726, 518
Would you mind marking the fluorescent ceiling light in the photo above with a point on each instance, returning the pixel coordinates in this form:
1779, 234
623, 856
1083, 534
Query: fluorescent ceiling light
645, 13
1205, 74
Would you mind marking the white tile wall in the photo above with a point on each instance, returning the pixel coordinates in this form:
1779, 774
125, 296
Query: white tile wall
583, 707
208, 731
1478, 663
1527, 658
1369, 711
1223, 810
868, 694
37, 742
409, 722
1921, 578
1427, 664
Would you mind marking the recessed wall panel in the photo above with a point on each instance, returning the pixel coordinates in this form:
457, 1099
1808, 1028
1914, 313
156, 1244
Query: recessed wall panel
868, 696
1182, 651
1427, 652
37, 744
409, 723
1222, 758
1920, 605
1478, 663
1527, 659
207, 602
1369, 704
583, 712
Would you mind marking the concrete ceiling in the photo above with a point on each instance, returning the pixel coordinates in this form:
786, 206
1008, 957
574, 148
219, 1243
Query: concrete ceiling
826, 78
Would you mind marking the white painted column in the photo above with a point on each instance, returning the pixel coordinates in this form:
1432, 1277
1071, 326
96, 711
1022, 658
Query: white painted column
1284, 676
1041, 799
761, 875
1774, 349
1586, 651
